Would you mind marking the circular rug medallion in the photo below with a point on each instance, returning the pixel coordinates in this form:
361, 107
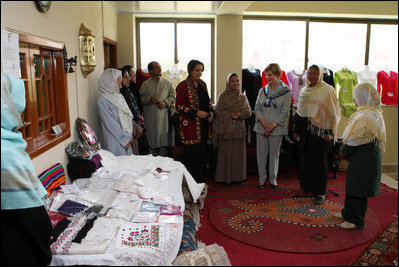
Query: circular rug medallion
293, 225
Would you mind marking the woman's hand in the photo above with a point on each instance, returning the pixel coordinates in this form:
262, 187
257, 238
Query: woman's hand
154, 100
202, 114
139, 132
210, 116
270, 127
128, 144
161, 105
235, 115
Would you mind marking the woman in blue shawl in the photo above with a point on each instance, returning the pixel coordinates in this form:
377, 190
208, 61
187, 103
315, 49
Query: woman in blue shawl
25, 225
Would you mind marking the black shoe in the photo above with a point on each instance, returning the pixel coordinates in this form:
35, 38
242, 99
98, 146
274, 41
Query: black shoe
319, 200
275, 186
260, 187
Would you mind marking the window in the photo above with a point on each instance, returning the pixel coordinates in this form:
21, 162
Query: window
42, 70
384, 47
334, 43
273, 41
175, 43
337, 45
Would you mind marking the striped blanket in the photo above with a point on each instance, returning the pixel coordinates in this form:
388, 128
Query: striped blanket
52, 178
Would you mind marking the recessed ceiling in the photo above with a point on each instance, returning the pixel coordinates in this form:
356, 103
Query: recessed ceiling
180, 7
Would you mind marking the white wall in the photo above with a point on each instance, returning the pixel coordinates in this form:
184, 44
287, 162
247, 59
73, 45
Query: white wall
61, 23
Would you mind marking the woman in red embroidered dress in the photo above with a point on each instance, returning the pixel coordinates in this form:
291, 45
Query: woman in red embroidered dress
195, 115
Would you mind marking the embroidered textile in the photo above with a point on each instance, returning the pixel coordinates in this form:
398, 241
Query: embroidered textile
64, 241
52, 178
146, 237
97, 160
212, 255
104, 230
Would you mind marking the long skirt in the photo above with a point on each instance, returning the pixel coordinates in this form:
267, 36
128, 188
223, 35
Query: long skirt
25, 237
314, 172
231, 161
195, 161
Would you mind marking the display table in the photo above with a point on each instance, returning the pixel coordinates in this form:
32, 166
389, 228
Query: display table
125, 231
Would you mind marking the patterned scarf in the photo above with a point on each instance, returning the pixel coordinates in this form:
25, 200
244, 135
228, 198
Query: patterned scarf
272, 95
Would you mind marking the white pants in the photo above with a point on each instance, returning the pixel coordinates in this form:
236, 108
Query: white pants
268, 145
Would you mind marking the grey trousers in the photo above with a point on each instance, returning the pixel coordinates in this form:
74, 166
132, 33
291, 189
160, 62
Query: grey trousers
268, 145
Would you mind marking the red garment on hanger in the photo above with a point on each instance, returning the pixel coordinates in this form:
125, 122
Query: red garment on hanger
387, 87
283, 78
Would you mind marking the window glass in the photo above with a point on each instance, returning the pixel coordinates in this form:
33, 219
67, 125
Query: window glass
194, 42
272, 41
337, 45
384, 47
157, 43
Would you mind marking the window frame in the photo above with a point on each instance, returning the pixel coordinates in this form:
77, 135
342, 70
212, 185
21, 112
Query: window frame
40, 141
211, 21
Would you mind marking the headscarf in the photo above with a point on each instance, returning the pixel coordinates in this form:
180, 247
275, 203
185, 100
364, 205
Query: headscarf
229, 102
367, 123
319, 103
20, 187
109, 89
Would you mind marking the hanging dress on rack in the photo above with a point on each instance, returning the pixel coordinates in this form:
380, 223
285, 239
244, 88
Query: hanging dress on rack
387, 87
296, 81
345, 80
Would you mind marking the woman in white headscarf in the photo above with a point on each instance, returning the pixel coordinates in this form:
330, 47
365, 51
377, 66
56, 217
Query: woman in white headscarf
364, 138
316, 123
119, 130
232, 109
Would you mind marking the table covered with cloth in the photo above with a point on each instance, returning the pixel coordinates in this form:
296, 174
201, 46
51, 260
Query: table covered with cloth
134, 213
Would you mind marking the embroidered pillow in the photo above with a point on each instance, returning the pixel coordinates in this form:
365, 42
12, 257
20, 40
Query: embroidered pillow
52, 178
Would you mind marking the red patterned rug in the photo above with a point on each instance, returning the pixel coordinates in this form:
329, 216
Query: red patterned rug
383, 251
291, 224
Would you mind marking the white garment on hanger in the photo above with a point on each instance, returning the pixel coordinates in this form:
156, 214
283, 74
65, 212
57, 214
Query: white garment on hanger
251, 67
367, 75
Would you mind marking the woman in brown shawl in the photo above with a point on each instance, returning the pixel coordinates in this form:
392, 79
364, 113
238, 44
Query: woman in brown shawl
232, 109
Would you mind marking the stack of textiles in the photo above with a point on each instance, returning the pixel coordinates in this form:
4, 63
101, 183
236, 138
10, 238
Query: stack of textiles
131, 213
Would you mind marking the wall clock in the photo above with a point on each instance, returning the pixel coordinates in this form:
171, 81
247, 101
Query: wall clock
43, 6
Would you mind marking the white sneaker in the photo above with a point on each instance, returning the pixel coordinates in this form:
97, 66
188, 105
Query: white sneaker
347, 225
338, 215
